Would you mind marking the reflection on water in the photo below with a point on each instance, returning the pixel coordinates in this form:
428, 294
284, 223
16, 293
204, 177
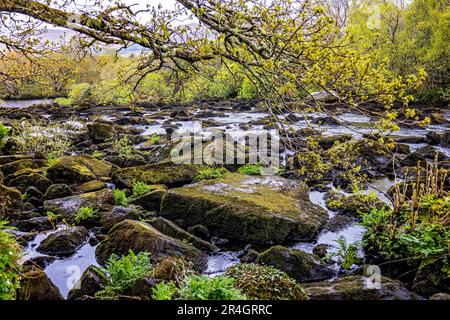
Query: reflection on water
23, 103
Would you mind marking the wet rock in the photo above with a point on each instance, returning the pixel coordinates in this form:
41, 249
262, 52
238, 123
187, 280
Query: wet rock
150, 201
12, 167
33, 192
35, 285
90, 282
353, 204
63, 242
402, 148
56, 191
171, 269
252, 209
445, 141
438, 118
101, 132
118, 214
328, 141
298, 264
166, 173
440, 296
171, 229
67, 207
91, 186
22, 180
434, 138
200, 231
135, 160
139, 236
78, 169
430, 279
328, 121
423, 154
321, 250
356, 288
338, 223
409, 139
9, 198
250, 256
41, 262
35, 224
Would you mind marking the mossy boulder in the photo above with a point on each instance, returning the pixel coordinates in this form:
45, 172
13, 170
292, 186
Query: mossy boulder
353, 204
150, 201
11, 167
101, 132
172, 269
35, 285
139, 236
9, 198
262, 209
59, 190
357, 287
431, 279
63, 242
298, 264
90, 186
67, 207
23, 179
116, 215
171, 229
78, 169
166, 173
259, 282
90, 282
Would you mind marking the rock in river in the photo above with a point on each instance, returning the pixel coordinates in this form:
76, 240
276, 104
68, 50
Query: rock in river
299, 265
139, 236
356, 288
63, 242
253, 209
35, 285
78, 169
67, 207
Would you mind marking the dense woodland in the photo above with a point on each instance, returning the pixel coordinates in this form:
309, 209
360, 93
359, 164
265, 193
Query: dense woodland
357, 91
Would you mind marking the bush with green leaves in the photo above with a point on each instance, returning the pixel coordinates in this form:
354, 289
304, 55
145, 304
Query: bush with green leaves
123, 272
210, 173
123, 147
347, 253
97, 154
259, 282
140, 188
251, 169
10, 253
121, 197
165, 290
84, 213
4, 133
206, 288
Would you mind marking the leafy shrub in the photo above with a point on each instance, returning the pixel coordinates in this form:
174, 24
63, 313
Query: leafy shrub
84, 213
164, 290
206, 288
97, 154
347, 254
64, 102
53, 218
123, 147
140, 188
9, 267
121, 197
210, 173
51, 159
81, 93
39, 137
4, 133
154, 139
259, 282
123, 272
251, 169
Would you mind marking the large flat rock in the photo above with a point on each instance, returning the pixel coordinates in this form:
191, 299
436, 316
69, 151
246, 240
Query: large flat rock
266, 209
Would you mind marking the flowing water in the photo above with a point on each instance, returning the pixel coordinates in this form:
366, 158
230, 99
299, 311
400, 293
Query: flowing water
64, 272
